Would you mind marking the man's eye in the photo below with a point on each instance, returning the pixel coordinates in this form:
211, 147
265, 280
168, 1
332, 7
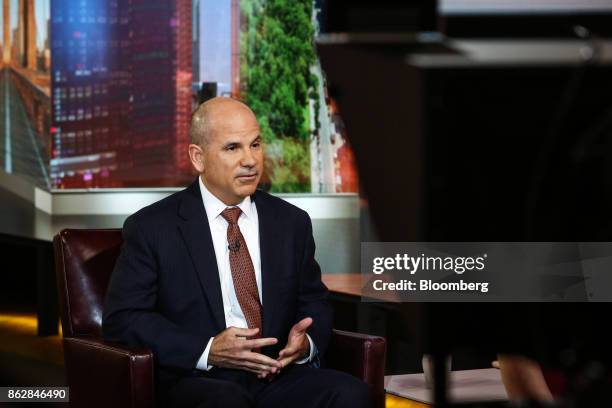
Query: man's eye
231, 148
256, 145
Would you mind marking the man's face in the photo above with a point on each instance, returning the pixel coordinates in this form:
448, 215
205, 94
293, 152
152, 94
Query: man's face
233, 155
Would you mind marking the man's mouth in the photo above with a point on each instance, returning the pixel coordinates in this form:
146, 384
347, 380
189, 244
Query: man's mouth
247, 177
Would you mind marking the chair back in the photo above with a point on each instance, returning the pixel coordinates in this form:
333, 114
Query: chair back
84, 261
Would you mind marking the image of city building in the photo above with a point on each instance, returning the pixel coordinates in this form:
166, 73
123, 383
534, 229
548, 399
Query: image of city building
121, 79
216, 48
25, 103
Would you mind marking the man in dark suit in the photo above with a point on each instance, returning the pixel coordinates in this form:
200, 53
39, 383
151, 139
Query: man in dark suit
220, 282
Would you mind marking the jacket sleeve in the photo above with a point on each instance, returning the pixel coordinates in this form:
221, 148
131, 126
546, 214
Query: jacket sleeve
312, 297
130, 316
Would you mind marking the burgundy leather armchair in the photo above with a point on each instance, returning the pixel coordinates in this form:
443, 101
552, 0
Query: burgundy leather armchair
102, 374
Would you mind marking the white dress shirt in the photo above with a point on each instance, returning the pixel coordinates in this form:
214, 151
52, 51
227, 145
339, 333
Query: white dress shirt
249, 226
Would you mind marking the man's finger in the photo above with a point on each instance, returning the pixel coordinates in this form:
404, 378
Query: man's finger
240, 332
287, 351
287, 360
261, 359
251, 370
302, 325
258, 343
260, 368
240, 365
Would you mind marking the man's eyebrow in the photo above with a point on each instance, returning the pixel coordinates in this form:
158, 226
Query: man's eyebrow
231, 143
256, 139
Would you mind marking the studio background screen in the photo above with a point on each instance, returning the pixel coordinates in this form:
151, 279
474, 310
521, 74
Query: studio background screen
99, 93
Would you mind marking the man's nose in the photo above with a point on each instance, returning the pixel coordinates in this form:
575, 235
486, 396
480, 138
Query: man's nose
248, 158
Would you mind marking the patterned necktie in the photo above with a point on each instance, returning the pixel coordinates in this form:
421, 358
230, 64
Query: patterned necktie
243, 272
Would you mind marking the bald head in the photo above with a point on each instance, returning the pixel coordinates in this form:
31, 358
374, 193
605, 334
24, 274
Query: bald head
218, 114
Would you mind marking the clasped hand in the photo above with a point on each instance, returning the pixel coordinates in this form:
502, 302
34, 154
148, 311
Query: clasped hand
232, 348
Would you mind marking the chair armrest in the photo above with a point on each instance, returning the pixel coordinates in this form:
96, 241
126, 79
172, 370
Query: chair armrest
102, 374
362, 356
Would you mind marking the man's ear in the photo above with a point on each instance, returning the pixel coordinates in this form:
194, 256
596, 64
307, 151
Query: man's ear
196, 155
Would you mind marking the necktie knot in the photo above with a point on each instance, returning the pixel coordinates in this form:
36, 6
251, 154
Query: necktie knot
231, 214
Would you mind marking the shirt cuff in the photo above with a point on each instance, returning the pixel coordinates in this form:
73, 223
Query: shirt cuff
203, 361
313, 352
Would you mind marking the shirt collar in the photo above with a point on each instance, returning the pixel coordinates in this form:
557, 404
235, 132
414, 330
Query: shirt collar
214, 207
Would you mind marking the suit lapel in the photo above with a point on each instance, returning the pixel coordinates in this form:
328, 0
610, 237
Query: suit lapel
195, 230
269, 237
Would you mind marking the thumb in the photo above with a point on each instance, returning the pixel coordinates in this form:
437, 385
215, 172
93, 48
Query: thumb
301, 326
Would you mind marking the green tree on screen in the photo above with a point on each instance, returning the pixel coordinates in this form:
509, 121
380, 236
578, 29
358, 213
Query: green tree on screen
277, 54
